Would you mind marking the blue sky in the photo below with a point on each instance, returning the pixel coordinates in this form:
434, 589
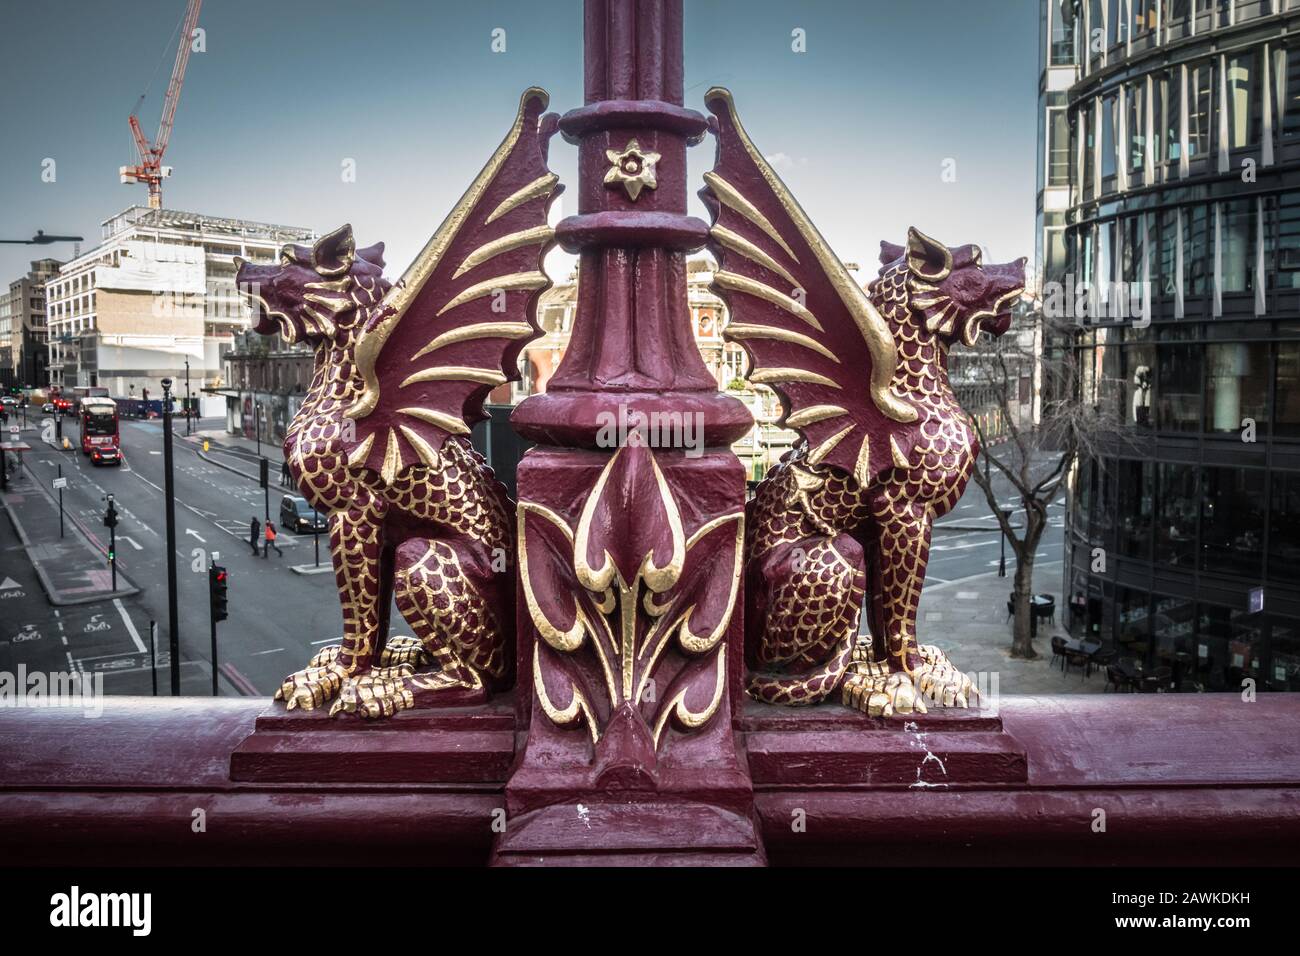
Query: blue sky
860, 125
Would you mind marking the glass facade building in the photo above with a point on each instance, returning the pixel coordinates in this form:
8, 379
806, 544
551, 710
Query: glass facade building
1169, 215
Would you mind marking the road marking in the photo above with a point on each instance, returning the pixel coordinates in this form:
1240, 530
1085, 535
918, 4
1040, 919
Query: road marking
191, 531
274, 650
139, 644
328, 640
968, 595
130, 541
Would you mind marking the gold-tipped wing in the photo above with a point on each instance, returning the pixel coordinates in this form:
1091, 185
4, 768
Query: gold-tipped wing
452, 328
811, 332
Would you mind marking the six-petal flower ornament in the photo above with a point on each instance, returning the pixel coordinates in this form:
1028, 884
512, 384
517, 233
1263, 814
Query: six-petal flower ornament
633, 168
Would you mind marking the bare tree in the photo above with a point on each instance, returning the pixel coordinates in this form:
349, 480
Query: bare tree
1067, 429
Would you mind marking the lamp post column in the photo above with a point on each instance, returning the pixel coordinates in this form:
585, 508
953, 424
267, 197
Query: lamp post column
631, 508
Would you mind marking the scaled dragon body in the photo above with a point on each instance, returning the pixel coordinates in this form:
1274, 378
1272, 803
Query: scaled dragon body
886, 448
381, 443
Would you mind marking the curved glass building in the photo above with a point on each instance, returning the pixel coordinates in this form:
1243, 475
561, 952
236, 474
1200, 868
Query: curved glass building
1169, 199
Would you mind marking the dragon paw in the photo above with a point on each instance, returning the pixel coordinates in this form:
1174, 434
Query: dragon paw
941, 681
881, 693
315, 684
404, 650
380, 693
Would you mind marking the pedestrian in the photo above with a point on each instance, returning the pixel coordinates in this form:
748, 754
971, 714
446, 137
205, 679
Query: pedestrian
270, 542
286, 478
254, 532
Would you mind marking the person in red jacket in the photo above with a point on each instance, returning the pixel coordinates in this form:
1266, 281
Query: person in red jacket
270, 542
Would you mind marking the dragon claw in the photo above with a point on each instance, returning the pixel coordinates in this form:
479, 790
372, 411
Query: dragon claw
381, 693
404, 650
312, 686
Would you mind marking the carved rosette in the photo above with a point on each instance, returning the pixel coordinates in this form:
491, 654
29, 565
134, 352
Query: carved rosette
631, 604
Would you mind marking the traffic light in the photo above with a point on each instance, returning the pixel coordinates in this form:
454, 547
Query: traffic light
110, 515
217, 581
263, 473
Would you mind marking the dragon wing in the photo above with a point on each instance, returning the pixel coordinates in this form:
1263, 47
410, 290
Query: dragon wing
811, 333
452, 328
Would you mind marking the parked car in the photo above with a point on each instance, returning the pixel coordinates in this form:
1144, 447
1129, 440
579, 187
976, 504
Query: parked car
48, 408
298, 516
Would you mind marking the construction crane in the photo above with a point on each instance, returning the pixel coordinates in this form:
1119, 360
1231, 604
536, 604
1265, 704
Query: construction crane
150, 170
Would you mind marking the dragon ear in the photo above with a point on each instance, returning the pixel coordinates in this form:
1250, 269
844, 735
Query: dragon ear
927, 258
373, 254
890, 252
334, 252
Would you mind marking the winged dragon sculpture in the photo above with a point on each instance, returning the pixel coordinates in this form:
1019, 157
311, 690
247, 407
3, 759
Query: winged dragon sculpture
380, 445
885, 450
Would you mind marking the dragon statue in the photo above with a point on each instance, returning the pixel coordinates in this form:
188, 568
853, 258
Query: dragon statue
380, 445
885, 449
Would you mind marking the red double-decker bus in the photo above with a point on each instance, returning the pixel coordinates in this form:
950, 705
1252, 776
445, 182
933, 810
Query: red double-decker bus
99, 431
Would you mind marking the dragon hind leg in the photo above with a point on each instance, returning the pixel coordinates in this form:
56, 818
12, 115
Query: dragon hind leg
902, 551
448, 600
814, 594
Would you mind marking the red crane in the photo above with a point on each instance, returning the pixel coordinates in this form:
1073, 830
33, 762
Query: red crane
150, 169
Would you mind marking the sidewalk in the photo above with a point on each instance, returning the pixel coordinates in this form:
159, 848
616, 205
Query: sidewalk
967, 620
72, 569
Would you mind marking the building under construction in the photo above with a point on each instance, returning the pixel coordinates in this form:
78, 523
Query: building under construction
157, 292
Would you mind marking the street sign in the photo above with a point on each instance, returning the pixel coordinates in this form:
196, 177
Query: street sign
1255, 603
60, 483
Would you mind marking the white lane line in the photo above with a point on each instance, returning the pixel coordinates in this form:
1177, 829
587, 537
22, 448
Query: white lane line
328, 640
126, 619
274, 650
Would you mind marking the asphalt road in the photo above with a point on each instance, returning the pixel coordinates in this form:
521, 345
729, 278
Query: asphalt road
278, 618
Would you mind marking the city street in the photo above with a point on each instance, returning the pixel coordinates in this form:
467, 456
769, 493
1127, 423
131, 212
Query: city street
278, 618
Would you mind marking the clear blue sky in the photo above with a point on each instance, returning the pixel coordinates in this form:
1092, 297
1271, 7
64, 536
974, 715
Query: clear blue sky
860, 124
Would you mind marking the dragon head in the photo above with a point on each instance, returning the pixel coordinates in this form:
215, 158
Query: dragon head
951, 291
313, 294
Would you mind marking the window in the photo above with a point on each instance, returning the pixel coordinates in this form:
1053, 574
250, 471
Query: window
1288, 251
1086, 118
1236, 386
1228, 645
1138, 377
1135, 507
1286, 395
1109, 118
1177, 509
1167, 115
1116, 25
1200, 111
1237, 245
1096, 22
1232, 521
1137, 128
1062, 50
1168, 256
1178, 387
1059, 149
1284, 526
1197, 265
1243, 103
1144, 17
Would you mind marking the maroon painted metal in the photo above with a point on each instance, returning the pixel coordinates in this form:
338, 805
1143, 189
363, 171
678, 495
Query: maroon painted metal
631, 346
1194, 779
629, 628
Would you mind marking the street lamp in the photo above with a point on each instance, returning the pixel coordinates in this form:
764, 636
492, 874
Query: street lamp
1002, 561
169, 495
187, 395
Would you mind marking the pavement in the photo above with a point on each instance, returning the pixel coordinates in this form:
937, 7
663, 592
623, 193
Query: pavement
967, 620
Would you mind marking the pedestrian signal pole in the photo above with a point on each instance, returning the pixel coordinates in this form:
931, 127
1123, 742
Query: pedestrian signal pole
218, 580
